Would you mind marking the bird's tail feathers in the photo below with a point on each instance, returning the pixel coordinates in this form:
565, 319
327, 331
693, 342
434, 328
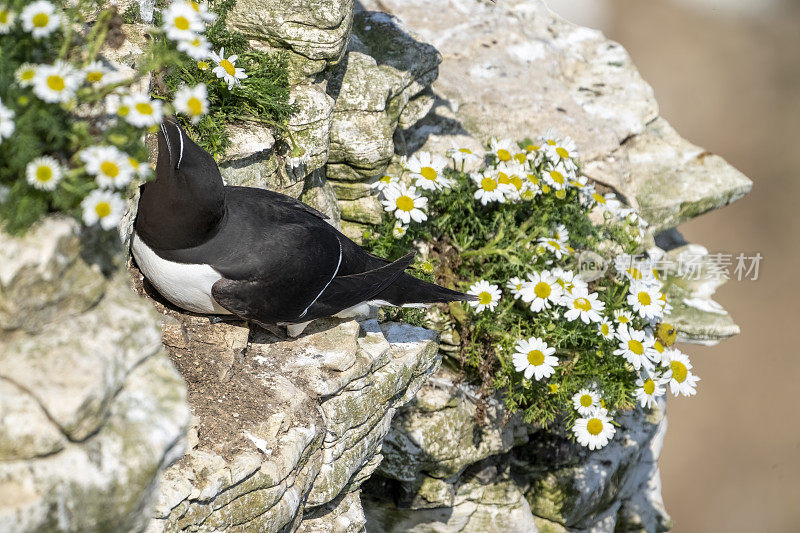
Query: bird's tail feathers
408, 291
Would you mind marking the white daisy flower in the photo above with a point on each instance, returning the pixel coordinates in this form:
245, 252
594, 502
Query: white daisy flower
645, 300
399, 230
541, 291
561, 233
510, 180
682, 380
44, 173
650, 388
192, 101
40, 19
554, 245
56, 83
569, 280
558, 177
109, 165
95, 73
427, 171
487, 293
7, 125
141, 170
103, 207
463, 155
489, 189
636, 347
203, 10
140, 111
534, 358
181, 22
622, 317
502, 149
585, 401
562, 152
606, 329
383, 182
515, 285
581, 304
406, 204
594, 430
227, 69
198, 48
7, 18
25, 74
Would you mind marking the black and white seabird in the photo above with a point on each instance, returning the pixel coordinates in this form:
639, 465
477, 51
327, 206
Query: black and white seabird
257, 254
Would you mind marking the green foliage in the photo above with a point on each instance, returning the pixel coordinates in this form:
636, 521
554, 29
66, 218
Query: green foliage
469, 241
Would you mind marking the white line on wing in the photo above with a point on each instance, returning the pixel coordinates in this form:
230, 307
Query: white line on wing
329, 281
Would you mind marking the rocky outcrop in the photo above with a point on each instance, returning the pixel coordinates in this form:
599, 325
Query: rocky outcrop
514, 69
447, 469
285, 431
91, 410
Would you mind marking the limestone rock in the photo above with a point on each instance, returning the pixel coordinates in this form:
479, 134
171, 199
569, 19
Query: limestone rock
43, 276
90, 408
366, 210
445, 472
315, 31
285, 428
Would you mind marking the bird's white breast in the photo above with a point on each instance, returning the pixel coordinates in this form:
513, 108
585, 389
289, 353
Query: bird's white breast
186, 285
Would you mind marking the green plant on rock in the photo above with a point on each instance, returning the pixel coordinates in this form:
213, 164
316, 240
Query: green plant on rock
568, 323
73, 122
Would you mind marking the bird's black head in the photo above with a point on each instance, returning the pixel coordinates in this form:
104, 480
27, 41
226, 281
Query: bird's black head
184, 205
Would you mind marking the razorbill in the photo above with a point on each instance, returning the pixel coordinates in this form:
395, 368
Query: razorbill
253, 253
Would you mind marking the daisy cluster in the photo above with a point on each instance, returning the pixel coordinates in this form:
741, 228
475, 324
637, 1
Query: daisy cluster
72, 123
517, 217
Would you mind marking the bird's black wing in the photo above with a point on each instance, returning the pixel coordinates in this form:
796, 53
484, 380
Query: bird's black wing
269, 302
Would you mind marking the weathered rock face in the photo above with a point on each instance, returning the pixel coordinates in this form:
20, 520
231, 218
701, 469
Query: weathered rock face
285, 432
443, 471
91, 410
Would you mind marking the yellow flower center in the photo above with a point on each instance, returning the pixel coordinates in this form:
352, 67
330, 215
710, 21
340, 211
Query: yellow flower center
3, 16
583, 304
542, 290
516, 181
649, 387
557, 176
594, 426
429, 173
636, 347
27, 75
644, 298
634, 273
182, 23
195, 106
545, 188
533, 179
123, 111
228, 66
40, 20
56, 83
103, 209
484, 298
622, 319
405, 203
659, 347
562, 153
465, 150
532, 148
195, 6
599, 198
555, 244
133, 163
44, 174
521, 158
488, 184
553, 388
94, 76
144, 109
503, 178
605, 330
202, 65
535, 357
503, 155
561, 194
551, 142
386, 179
679, 371
109, 168
586, 400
